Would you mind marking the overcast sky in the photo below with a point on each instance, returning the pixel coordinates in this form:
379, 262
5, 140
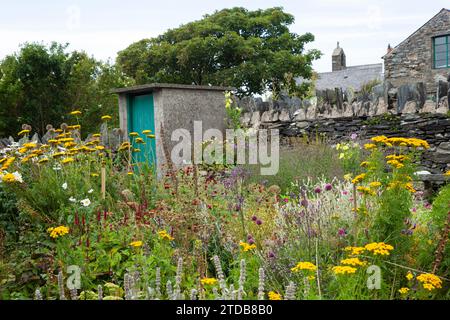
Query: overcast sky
104, 27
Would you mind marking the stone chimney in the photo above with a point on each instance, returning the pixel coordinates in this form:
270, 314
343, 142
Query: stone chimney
338, 59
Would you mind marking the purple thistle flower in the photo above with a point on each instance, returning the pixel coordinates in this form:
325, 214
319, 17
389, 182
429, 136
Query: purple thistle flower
328, 187
317, 190
342, 232
271, 255
251, 241
258, 222
304, 203
254, 218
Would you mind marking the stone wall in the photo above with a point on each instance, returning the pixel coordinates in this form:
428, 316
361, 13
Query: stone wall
368, 117
412, 60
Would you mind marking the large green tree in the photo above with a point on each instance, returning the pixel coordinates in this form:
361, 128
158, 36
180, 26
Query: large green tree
253, 51
40, 85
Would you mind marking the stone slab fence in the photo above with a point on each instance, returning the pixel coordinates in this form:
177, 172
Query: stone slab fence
405, 111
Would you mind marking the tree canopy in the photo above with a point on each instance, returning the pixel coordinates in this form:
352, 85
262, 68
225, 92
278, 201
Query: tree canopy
250, 50
40, 85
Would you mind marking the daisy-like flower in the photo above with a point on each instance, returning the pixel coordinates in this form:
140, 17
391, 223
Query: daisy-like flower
85, 202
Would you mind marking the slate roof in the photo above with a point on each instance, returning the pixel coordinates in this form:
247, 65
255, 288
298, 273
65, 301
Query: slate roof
351, 77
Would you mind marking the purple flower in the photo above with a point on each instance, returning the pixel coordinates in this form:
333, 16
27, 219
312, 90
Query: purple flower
317, 190
342, 232
258, 222
354, 136
254, 218
304, 203
271, 255
328, 187
251, 241
345, 193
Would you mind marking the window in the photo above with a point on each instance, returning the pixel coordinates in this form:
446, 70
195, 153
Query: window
442, 52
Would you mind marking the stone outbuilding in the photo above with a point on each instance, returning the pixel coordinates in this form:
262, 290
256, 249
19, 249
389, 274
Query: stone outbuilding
423, 57
169, 107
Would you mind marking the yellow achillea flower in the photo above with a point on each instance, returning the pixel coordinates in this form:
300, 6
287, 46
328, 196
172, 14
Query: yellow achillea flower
311, 278
164, 235
304, 266
410, 188
208, 281
58, 154
139, 140
94, 175
151, 136
30, 145
395, 164
67, 160
359, 178
9, 178
375, 184
409, 276
364, 164
447, 174
430, 281
58, 231
43, 160
100, 148
134, 134
274, 296
353, 262
137, 150
366, 190
96, 135
369, 146
76, 113
146, 132
403, 290
23, 132
379, 248
246, 246
355, 250
8, 163
106, 118
344, 270
136, 244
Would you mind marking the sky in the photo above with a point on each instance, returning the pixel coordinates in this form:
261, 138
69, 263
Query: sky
364, 28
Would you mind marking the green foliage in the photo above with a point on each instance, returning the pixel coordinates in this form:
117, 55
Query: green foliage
249, 50
40, 85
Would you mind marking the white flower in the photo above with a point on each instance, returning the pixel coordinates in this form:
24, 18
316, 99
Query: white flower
85, 202
64, 186
18, 177
72, 199
90, 191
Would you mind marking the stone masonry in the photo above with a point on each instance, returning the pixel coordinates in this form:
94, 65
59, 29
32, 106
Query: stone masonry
413, 59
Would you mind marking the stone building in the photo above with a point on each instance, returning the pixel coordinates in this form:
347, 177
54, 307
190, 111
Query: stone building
347, 77
422, 57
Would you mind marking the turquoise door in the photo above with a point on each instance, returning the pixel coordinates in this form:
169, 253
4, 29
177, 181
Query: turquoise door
141, 117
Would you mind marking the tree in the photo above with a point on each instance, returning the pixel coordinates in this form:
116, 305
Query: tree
250, 50
40, 85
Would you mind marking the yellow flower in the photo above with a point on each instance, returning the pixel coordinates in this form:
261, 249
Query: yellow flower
410, 188
136, 244
96, 135
58, 154
43, 160
9, 178
344, 270
355, 250
106, 118
139, 140
311, 278
67, 160
403, 290
137, 150
164, 235
130, 173
274, 296
375, 184
100, 148
369, 146
348, 177
379, 248
364, 164
366, 190
209, 281
359, 178
76, 113
151, 136
246, 246
409, 276
94, 175
447, 174
353, 262
395, 164
146, 132
304, 266
23, 132
134, 134
430, 281
58, 231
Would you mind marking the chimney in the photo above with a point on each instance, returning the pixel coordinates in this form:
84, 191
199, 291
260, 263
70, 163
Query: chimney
338, 59
389, 48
